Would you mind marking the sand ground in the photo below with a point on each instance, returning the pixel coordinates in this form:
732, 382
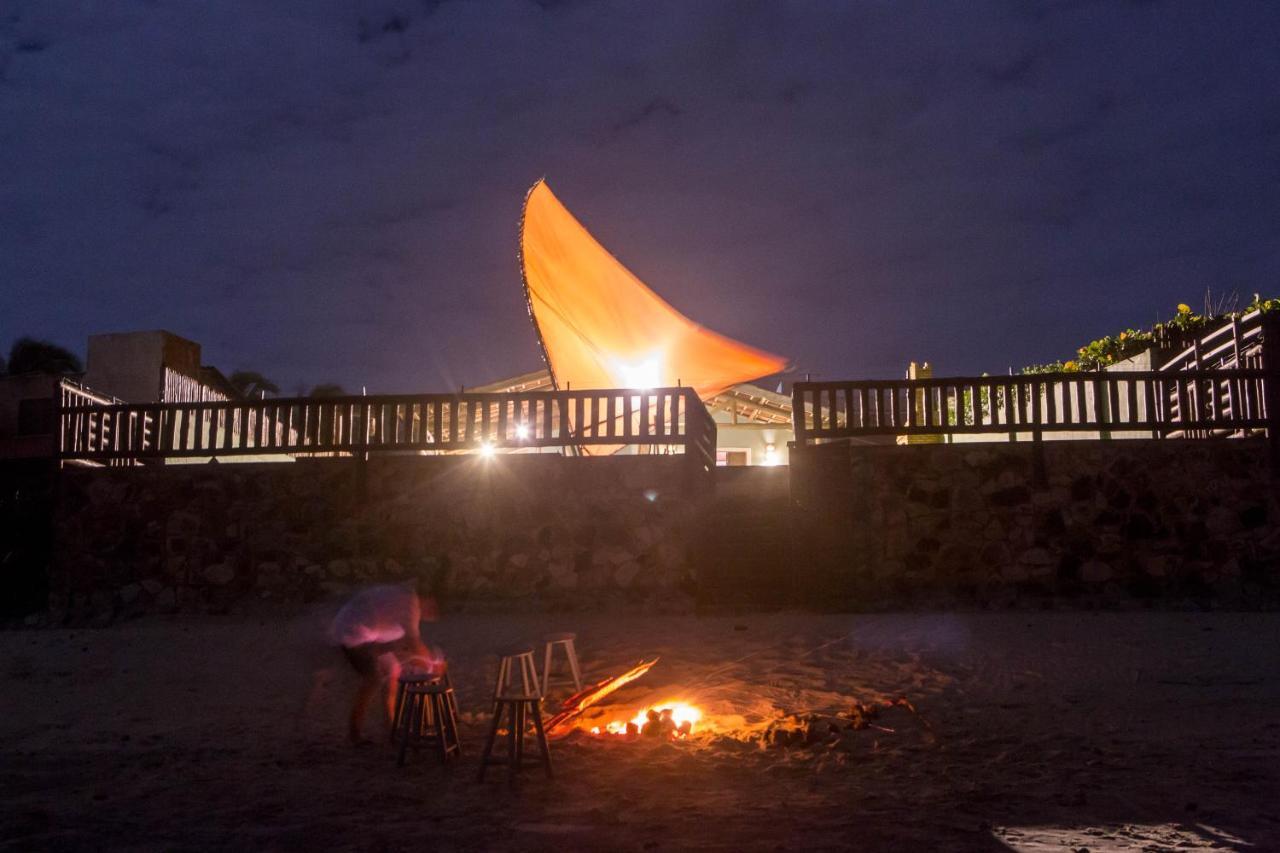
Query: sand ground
1035, 732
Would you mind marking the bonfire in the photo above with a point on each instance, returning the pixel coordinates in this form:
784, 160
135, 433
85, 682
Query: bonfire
673, 719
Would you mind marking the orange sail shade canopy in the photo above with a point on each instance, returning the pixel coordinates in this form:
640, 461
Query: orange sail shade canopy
601, 327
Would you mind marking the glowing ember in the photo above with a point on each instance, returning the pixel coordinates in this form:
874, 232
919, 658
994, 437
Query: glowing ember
669, 719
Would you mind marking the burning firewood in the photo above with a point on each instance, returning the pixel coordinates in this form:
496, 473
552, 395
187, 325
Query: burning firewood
583, 699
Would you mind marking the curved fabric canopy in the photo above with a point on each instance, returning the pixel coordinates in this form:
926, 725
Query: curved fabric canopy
601, 327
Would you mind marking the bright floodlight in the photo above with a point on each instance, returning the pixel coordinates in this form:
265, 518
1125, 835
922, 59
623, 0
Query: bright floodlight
641, 374
771, 455
522, 432
486, 450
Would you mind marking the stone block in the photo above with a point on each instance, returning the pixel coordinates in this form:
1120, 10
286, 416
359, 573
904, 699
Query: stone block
562, 574
1037, 557
219, 574
1095, 571
1014, 573
1221, 521
624, 574
1156, 566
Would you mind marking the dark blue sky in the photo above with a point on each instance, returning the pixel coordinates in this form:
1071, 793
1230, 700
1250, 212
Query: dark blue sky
329, 189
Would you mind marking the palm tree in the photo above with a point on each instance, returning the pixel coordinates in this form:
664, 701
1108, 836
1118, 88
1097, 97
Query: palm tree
29, 355
252, 384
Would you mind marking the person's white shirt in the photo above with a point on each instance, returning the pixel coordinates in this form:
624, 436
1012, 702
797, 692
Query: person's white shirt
377, 614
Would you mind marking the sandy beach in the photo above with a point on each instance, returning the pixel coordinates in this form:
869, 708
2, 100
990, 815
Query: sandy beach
1032, 732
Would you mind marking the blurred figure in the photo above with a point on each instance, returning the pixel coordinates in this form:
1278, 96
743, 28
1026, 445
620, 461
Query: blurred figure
378, 632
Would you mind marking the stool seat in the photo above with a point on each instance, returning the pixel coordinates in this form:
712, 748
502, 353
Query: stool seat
519, 697
560, 637
517, 674
417, 676
427, 688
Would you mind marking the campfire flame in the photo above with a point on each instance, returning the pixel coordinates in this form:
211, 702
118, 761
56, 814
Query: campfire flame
673, 719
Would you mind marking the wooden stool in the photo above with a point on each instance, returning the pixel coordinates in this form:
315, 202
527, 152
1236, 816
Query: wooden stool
412, 677
511, 660
519, 708
565, 640
405, 679
427, 717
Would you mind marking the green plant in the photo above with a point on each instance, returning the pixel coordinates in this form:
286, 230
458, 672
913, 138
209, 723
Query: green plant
1113, 349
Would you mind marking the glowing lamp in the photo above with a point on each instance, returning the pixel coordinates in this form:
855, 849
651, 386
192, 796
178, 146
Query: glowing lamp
487, 450
643, 374
522, 432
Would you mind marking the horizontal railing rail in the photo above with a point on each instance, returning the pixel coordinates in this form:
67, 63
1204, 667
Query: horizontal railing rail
1236, 343
1153, 403
666, 417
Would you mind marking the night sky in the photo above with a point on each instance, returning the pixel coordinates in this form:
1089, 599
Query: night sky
328, 190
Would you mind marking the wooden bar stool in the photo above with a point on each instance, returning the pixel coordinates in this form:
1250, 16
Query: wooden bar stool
520, 709
408, 677
427, 718
516, 662
564, 640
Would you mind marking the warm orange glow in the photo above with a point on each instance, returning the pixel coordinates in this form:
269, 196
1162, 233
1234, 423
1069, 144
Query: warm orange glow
603, 328
681, 715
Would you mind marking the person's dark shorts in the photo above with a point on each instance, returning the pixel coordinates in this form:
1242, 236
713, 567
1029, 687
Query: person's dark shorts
363, 659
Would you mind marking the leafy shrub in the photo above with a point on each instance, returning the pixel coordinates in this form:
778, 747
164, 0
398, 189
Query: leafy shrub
1113, 349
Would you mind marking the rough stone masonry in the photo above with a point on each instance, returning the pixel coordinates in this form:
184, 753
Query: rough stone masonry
1173, 523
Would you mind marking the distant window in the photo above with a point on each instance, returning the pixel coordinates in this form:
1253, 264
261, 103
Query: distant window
733, 458
35, 416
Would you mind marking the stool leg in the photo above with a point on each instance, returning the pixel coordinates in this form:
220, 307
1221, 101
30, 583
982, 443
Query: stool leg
398, 712
524, 674
437, 709
504, 672
513, 735
451, 724
428, 713
546, 669
573, 663
488, 743
453, 700
543, 747
406, 729
521, 722
533, 675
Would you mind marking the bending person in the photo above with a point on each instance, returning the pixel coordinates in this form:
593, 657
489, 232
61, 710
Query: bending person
378, 629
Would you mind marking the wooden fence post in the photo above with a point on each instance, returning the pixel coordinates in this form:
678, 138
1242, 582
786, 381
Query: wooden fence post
1271, 385
1040, 474
799, 424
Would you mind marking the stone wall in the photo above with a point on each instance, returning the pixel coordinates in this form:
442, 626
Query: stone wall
545, 530
995, 525
991, 525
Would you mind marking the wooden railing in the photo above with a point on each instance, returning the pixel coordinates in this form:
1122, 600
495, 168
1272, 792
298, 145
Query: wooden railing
660, 418
1236, 343
77, 430
1141, 404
